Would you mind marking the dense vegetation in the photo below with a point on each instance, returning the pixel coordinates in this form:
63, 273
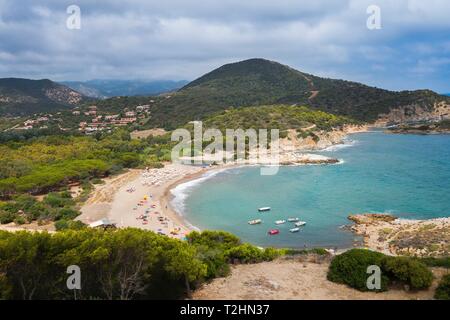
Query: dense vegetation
257, 82
44, 163
443, 289
25, 97
120, 264
281, 117
55, 206
350, 268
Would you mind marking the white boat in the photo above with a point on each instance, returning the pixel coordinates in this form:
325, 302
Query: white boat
280, 222
293, 219
293, 230
264, 209
253, 222
300, 224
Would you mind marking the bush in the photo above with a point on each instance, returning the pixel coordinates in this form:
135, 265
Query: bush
443, 289
20, 220
67, 213
97, 181
58, 200
69, 225
409, 271
436, 262
350, 268
6, 217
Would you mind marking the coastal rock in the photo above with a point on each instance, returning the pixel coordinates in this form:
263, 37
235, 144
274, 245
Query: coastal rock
371, 218
387, 234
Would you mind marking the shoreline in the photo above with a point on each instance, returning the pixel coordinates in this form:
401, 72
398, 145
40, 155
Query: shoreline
397, 236
119, 206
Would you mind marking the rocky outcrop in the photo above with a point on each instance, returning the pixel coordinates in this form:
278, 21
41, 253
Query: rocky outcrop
415, 113
390, 235
371, 218
317, 139
64, 95
294, 158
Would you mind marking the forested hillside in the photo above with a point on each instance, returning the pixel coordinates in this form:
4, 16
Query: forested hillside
25, 97
258, 82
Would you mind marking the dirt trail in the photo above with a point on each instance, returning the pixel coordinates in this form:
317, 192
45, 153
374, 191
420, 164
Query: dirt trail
314, 92
294, 279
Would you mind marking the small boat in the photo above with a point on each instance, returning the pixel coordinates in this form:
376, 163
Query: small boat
300, 224
264, 209
280, 222
293, 230
273, 232
253, 222
293, 219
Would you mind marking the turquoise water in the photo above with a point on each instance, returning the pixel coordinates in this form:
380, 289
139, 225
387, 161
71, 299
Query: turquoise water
405, 175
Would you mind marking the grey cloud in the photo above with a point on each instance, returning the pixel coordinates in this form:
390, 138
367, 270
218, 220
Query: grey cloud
181, 39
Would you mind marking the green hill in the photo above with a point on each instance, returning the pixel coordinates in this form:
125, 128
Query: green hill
281, 117
261, 82
24, 97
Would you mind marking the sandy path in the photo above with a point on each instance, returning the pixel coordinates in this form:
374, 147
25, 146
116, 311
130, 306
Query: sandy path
295, 280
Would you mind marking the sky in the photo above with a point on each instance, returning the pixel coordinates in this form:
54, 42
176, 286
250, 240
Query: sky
183, 39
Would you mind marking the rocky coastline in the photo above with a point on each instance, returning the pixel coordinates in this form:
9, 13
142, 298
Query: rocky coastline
389, 234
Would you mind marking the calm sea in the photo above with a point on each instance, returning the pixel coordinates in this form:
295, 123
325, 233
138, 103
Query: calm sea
404, 175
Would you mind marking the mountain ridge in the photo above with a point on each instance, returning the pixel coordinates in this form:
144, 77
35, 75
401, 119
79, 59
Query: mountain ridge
105, 88
258, 81
20, 96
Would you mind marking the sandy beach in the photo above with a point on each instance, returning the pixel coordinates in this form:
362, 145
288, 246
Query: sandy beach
143, 201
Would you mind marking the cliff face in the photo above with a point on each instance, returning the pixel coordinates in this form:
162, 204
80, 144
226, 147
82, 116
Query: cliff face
322, 139
416, 113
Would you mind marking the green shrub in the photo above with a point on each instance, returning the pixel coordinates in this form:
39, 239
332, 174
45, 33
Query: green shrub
408, 270
20, 220
6, 217
69, 225
58, 200
97, 181
436, 262
443, 289
67, 213
294, 252
350, 268
247, 253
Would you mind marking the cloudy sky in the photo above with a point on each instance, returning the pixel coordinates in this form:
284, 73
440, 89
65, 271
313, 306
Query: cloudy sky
182, 39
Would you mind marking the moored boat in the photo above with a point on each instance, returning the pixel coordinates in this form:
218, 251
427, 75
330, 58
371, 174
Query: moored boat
253, 222
300, 224
293, 219
280, 222
293, 230
264, 209
273, 232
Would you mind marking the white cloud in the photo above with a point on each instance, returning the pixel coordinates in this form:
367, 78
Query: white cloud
181, 39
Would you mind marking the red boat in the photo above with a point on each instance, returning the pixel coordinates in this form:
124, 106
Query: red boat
273, 232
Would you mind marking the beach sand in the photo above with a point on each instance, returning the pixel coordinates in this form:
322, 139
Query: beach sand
124, 200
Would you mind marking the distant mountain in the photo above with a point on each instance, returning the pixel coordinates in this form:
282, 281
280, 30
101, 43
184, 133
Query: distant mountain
111, 88
261, 82
24, 96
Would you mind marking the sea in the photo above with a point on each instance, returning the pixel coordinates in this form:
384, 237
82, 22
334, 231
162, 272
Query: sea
400, 174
